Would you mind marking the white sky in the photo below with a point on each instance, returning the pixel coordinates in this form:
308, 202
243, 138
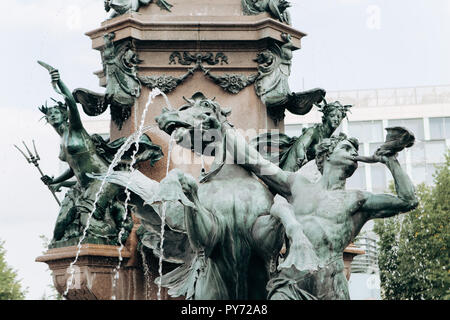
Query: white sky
351, 44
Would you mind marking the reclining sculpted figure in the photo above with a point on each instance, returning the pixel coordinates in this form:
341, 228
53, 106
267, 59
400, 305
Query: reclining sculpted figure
321, 219
120, 7
290, 154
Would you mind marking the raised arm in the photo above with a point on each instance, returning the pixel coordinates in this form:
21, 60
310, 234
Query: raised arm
250, 159
60, 88
384, 205
297, 155
74, 115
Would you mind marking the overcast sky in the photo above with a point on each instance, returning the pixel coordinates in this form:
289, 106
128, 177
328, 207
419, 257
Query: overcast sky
351, 44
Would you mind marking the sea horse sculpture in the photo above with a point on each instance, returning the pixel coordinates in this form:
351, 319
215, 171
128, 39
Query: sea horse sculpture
225, 218
272, 83
86, 154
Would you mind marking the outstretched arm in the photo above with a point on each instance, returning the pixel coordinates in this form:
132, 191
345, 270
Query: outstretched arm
249, 158
384, 205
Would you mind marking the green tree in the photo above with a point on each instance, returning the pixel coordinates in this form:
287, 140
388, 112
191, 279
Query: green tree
414, 248
53, 294
10, 287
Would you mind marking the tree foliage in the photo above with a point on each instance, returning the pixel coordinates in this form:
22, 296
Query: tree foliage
414, 248
10, 287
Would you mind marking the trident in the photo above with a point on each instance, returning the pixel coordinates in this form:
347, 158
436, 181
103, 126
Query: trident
34, 158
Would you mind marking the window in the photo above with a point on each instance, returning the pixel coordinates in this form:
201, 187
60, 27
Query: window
413, 125
366, 131
418, 152
435, 151
358, 180
378, 174
440, 128
419, 173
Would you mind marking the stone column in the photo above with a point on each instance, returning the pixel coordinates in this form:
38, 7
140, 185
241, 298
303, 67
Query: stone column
198, 27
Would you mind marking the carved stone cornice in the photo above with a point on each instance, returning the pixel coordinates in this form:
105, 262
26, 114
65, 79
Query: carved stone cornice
243, 28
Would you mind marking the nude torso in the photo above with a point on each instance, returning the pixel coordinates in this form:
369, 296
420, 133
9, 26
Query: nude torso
78, 150
325, 217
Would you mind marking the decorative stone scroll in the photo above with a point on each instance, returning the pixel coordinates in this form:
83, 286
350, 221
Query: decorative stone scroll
231, 83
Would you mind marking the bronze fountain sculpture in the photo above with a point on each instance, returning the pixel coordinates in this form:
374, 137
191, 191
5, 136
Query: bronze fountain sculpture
223, 234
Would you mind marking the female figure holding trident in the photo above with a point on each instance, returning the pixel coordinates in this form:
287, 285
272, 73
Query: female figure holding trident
86, 154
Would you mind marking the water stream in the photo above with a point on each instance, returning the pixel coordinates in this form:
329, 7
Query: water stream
140, 131
163, 218
133, 138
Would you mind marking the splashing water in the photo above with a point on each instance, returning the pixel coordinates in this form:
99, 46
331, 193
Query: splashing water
163, 220
161, 249
114, 163
153, 94
167, 100
146, 272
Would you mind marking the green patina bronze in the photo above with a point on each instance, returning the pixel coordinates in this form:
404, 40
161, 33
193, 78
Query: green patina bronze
119, 7
218, 234
291, 153
123, 86
272, 83
321, 219
86, 154
276, 8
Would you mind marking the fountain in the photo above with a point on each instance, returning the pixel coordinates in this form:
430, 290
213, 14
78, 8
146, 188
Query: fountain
179, 237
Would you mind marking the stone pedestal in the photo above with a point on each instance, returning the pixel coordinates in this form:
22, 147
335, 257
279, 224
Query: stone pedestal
94, 273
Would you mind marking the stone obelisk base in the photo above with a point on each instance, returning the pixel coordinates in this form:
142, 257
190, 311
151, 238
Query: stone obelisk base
94, 273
